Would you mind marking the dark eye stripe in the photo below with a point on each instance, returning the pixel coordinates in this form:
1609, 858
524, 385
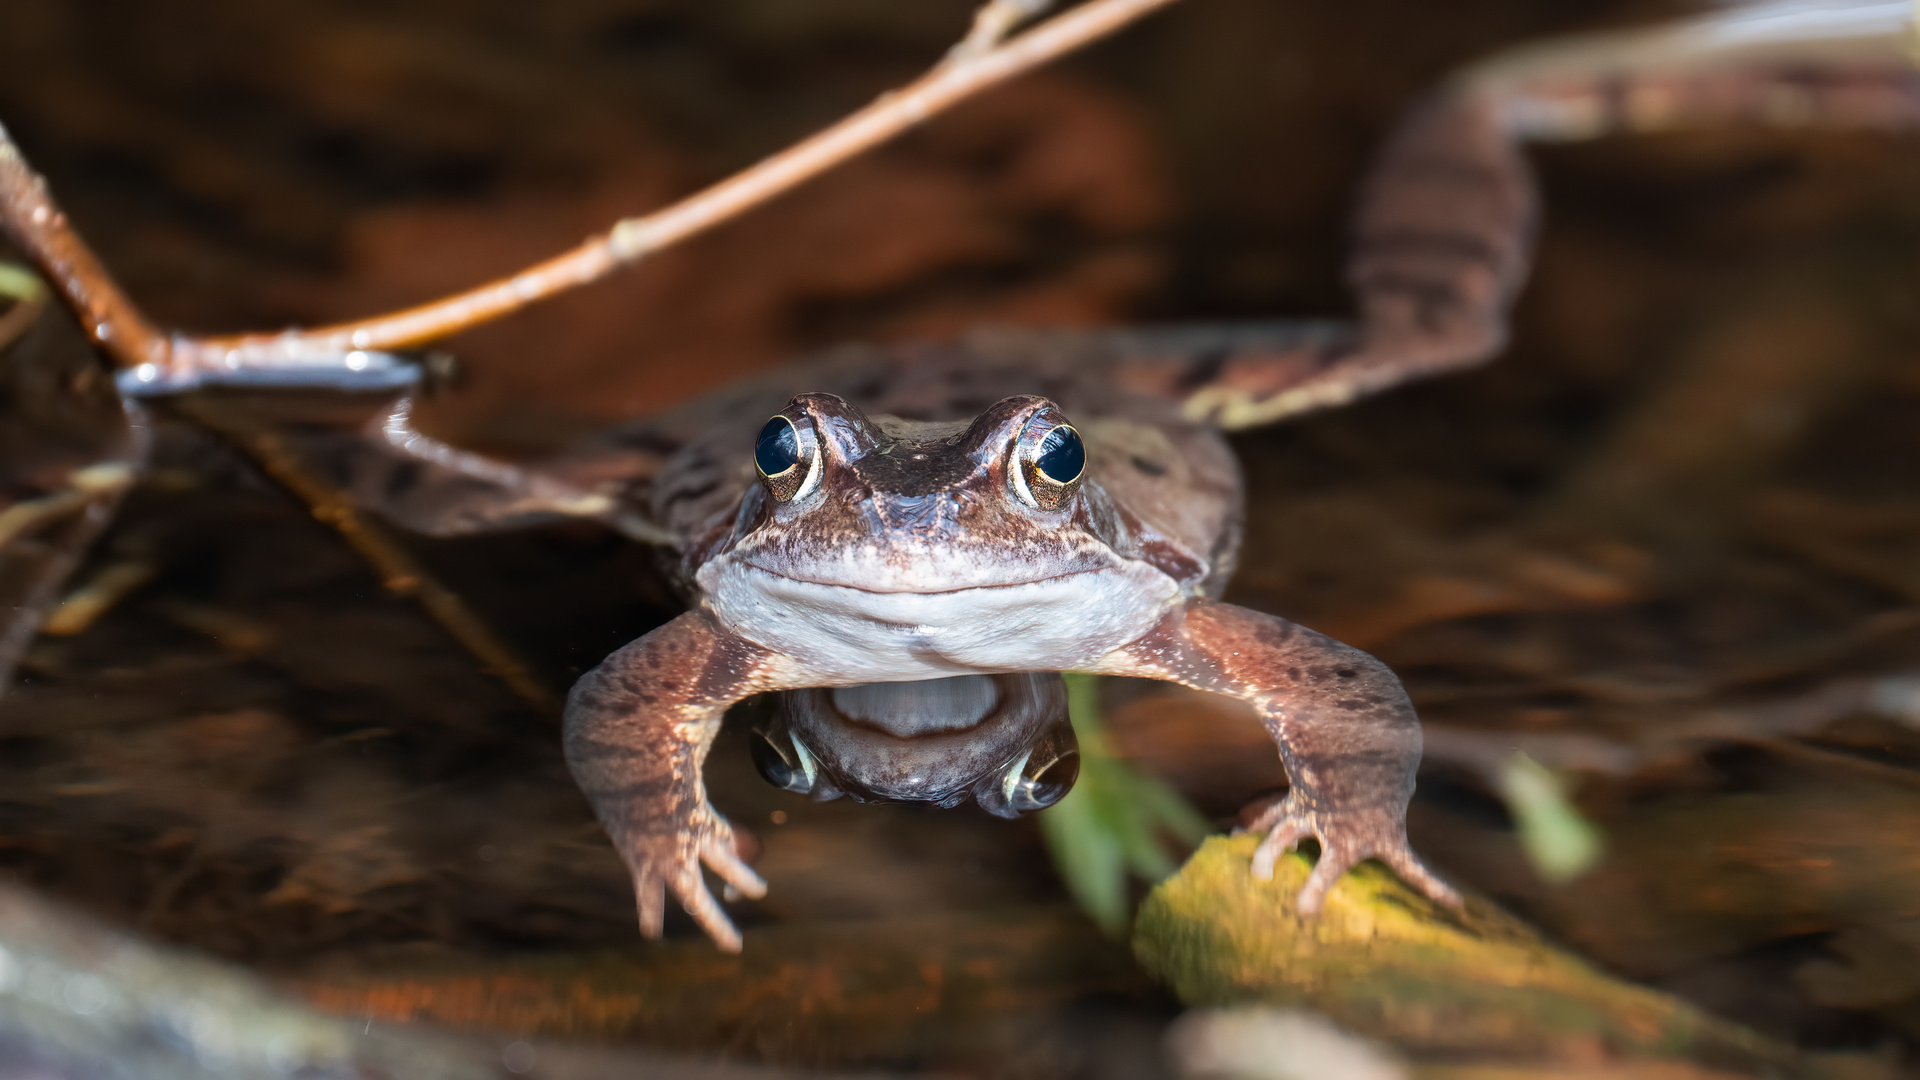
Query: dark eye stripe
1062, 455
778, 447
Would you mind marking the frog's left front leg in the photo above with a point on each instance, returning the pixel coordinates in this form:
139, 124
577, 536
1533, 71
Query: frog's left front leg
638, 728
1347, 734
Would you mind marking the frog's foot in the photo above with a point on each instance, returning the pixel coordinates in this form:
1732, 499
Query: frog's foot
1346, 838
671, 861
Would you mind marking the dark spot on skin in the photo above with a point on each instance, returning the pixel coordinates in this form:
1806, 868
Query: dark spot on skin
1203, 369
1273, 634
402, 479
695, 492
1170, 560
1149, 468
1346, 673
1293, 674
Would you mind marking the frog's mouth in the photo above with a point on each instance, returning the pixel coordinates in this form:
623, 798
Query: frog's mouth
1004, 740
874, 589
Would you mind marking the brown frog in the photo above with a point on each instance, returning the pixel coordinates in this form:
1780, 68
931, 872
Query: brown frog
909, 543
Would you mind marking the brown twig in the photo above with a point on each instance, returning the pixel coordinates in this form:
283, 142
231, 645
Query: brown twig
116, 324
399, 571
29, 215
991, 25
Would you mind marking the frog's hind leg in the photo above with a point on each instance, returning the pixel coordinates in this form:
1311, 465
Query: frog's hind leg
1347, 734
428, 486
1444, 226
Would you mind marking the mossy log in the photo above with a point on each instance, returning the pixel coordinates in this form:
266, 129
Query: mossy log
980, 989
1383, 961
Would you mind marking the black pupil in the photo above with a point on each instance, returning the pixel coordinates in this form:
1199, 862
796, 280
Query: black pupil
773, 766
777, 449
1053, 782
1062, 455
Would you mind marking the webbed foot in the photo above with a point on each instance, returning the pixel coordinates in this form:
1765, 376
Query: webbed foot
663, 862
638, 728
1347, 837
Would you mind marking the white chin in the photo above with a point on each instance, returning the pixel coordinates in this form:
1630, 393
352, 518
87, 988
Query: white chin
843, 634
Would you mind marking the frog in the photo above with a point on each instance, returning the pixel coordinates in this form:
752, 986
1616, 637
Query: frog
907, 544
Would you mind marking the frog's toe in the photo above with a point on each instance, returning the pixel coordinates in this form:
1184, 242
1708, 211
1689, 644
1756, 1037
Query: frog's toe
1346, 839
1282, 836
673, 866
692, 891
722, 855
1415, 873
650, 898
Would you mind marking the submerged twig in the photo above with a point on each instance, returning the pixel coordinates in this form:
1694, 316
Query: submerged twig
399, 571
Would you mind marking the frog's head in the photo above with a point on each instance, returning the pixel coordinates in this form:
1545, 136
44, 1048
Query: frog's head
1002, 740
877, 555
903, 507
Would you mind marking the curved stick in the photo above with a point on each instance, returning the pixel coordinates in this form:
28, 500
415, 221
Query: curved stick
352, 351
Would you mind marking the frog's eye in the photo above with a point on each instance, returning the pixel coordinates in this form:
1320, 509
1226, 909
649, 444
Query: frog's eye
1040, 785
777, 451
784, 455
790, 766
1062, 455
1038, 778
1051, 461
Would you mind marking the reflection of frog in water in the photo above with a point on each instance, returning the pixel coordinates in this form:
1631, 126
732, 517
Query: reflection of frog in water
920, 537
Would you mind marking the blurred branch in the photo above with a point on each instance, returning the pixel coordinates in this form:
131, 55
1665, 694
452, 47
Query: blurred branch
983, 60
991, 25
399, 571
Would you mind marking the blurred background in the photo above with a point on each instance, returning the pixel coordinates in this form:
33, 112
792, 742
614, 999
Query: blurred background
1669, 544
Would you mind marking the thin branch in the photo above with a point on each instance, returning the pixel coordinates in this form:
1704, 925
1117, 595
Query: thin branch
991, 25
399, 571
29, 215
28, 212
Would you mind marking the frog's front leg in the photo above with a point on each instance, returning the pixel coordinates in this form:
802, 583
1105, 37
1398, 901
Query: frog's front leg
1347, 734
638, 728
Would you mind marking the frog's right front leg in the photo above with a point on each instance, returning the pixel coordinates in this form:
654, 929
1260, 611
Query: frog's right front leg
638, 728
1345, 729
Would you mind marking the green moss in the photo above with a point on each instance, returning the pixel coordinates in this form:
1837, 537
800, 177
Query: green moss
1384, 961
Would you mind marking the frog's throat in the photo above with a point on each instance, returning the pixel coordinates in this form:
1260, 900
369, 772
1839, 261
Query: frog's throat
940, 757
